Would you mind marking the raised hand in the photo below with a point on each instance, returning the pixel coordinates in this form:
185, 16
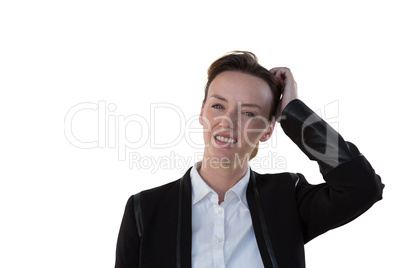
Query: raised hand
289, 87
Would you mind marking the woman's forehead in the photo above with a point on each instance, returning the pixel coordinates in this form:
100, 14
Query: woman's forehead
237, 86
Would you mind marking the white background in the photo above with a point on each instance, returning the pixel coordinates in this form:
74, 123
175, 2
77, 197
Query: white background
61, 206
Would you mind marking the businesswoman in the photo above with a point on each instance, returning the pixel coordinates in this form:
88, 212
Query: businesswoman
221, 213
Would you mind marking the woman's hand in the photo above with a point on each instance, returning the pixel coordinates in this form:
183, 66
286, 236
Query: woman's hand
289, 87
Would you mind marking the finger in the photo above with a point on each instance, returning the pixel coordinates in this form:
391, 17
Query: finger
276, 72
280, 70
279, 73
273, 71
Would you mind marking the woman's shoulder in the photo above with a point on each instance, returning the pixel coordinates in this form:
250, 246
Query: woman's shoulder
167, 191
162, 189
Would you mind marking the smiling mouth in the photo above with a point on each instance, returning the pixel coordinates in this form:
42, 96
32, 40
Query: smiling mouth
226, 140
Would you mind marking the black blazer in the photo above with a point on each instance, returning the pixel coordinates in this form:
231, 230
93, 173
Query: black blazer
284, 216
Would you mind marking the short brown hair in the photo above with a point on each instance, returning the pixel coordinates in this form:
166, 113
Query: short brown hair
245, 62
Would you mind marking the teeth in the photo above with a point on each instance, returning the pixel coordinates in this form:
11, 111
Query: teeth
226, 139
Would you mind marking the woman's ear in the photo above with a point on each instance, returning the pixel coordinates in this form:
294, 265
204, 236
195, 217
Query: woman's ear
270, 130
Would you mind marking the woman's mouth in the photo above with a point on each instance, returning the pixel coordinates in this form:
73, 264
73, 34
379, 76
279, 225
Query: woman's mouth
225, 140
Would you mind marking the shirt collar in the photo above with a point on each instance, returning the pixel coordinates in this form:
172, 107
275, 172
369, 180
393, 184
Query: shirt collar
201, 190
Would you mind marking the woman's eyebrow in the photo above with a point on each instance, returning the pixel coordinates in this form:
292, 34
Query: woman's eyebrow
219, 97
244, 104
252, 105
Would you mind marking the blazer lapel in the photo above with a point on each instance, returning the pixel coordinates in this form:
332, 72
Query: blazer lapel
259, 223
184, 222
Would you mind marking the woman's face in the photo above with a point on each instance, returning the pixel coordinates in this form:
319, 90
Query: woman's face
236, 108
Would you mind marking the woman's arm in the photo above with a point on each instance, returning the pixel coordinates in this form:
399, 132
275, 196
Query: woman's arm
351, 184
318, 140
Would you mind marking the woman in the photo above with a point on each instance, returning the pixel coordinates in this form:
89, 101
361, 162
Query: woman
223, 214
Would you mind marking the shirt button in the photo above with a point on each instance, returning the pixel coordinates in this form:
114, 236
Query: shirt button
219, 239
220, 210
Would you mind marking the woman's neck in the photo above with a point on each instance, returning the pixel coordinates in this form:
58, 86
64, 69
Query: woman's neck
221, 176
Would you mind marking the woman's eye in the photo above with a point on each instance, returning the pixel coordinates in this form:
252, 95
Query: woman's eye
249, 114
217, 106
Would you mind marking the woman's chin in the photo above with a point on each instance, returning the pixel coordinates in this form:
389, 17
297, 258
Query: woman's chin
223, 156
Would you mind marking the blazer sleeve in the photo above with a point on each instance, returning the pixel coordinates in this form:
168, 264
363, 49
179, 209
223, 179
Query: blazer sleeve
351, 184
128, 241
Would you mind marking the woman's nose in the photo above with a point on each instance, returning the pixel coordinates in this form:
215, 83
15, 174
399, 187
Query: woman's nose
228, 120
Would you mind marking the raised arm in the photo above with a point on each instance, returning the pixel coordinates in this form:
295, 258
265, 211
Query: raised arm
351, 184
